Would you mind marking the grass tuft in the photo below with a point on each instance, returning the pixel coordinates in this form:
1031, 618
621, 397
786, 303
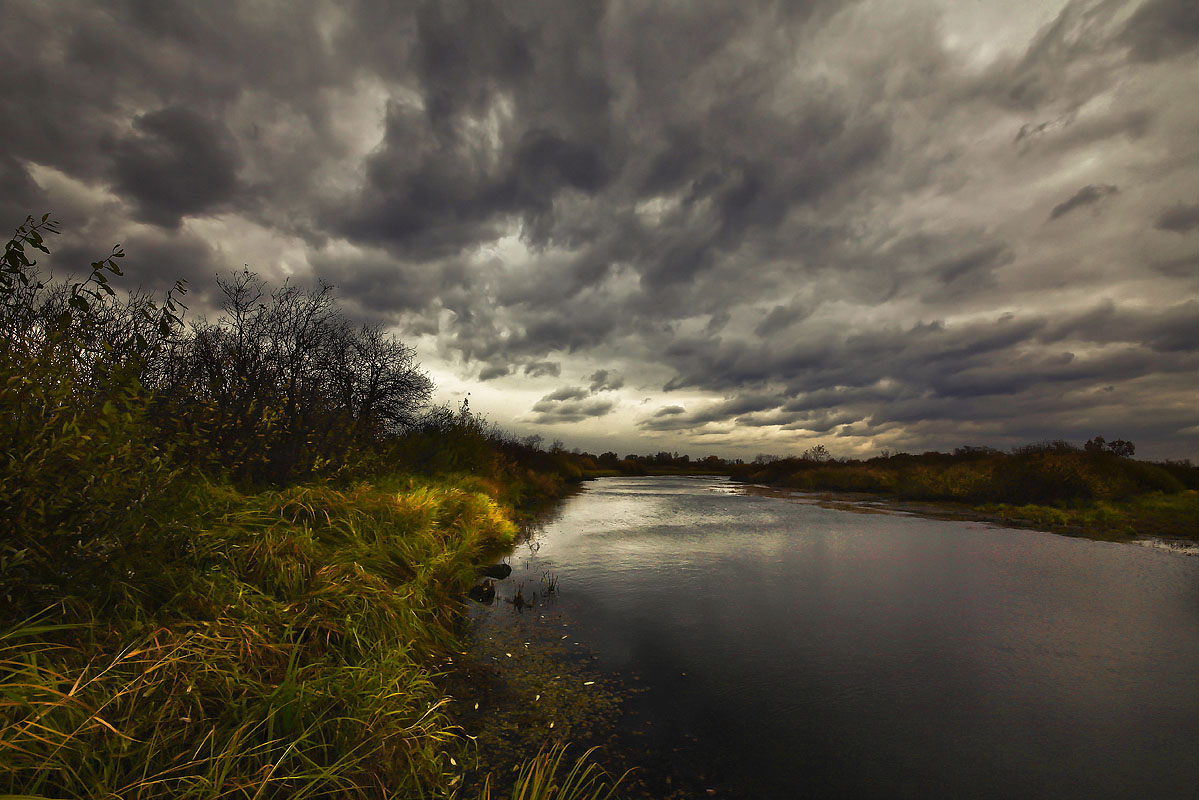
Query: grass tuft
541, 778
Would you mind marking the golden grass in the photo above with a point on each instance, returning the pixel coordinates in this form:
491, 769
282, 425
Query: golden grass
292, 661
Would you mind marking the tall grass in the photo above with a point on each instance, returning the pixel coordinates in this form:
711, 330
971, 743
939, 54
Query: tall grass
292, 660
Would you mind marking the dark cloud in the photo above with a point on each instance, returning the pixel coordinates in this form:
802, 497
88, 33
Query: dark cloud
1034, 130
1185, 267
934, 371
463, 52
493, 371
566, 393
782, 316
969, 272
815, 218
21, 194
1180, 219
1161, 29
1086, 196
175, 163
539, 368
603, 380
677, 418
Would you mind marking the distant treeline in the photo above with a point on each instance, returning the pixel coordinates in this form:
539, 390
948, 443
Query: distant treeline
1050, 472
660, 463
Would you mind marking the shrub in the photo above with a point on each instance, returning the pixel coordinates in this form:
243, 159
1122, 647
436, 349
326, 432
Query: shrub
79, 479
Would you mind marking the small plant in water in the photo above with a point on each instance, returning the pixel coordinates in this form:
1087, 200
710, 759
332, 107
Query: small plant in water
539, 779
519, 600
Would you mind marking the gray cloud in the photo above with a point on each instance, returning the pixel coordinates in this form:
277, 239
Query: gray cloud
1161, 29
569, 404
493, 371
782, 316
175, 163
1086, 196
814, 218
566, 393
1180, 219
603, 380
937, 372
539, 368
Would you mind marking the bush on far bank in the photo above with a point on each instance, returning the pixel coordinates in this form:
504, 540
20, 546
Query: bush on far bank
1042, 473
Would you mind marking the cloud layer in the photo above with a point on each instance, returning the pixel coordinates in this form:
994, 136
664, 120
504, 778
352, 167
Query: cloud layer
703, 226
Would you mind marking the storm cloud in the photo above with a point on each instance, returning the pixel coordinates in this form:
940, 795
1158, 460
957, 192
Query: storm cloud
729, 228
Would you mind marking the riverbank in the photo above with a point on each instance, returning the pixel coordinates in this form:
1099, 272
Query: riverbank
535, 679
1171, 519
1051, 486
294, 646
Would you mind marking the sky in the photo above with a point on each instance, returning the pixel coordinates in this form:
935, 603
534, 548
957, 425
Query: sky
705, 227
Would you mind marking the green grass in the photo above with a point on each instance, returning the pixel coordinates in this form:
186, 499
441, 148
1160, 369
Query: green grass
287, 652
1157, 514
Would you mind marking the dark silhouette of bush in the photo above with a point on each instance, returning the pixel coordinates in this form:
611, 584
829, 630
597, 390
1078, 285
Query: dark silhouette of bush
282, 386
1116, 447
81, 477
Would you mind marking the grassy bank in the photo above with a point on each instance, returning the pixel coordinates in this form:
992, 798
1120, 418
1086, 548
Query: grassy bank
1050, 485
285, 652
1166, 516
233, 554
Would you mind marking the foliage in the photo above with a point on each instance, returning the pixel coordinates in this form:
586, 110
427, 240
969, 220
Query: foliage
195, 640
79, 478
282, 386
1047, 472
292, 662
1117, 447
1164, 515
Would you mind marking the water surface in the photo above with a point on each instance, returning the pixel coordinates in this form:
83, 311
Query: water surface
791, 650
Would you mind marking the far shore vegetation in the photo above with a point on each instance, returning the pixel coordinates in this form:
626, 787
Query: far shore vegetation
236, 551
1097, 489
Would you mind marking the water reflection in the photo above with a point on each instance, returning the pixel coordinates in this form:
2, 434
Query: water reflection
805, 651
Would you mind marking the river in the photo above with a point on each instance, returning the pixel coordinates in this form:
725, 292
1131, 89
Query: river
787, 650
